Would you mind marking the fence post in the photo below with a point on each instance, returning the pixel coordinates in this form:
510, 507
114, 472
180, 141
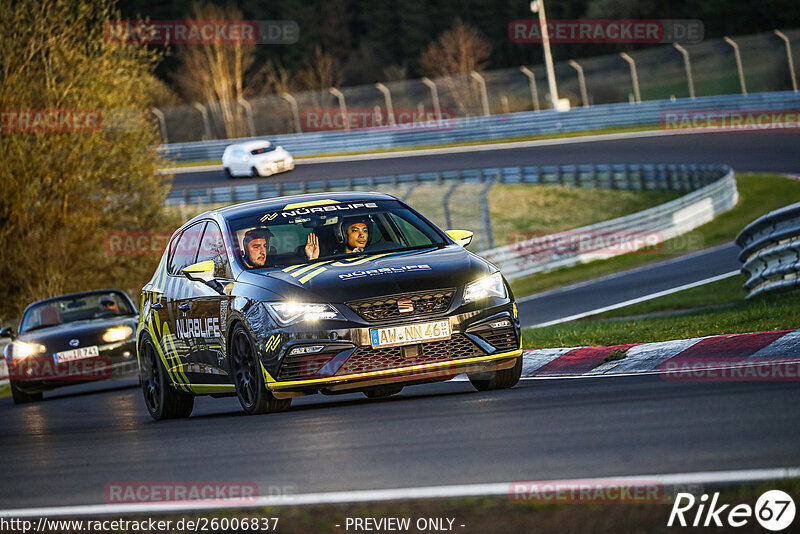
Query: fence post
687, 64
486, 217
206, 123
532, 82
788, 57
248, 110
387, 96
446, 205
295, 112
435, 97
634, 77
162, 123
342, 107
581, 81
738, 63
484, 95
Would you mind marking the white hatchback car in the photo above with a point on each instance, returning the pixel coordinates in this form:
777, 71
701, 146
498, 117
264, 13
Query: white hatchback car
256, 158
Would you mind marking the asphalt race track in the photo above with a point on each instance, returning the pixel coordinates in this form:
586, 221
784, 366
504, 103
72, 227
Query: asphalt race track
65, 450
628, 285
744, 151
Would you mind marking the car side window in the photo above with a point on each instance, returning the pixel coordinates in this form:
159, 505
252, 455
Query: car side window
184, 251
212, 247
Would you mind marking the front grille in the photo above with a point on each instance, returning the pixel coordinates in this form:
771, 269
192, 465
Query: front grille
500, 338
367, 359
424, 302
303, 366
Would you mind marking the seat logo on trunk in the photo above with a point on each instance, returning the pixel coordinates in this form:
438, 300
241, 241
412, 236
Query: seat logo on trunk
405, 306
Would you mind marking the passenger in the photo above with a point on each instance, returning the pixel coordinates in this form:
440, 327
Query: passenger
256, 247
355, 234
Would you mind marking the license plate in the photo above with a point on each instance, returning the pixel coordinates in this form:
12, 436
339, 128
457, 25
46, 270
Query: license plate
77, 354
409, 334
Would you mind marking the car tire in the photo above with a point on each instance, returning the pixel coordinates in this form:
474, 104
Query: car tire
254, 172
20, 397
248, 379
162, 400
228, 174
381, 392
503, 379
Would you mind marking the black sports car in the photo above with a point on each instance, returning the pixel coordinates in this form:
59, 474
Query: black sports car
328, 292
71, 339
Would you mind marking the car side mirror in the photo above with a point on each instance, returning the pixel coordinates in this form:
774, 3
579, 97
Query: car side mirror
203, 272
461, 237
7, 332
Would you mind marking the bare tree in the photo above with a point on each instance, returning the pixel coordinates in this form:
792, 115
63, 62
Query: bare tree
64, 188
321, 71
455, 54
214, 72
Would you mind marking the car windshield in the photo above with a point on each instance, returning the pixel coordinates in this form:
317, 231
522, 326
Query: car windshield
262, 150
322, 231
75, 308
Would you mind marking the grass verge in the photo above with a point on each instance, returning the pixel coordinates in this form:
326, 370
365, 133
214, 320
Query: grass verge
712, 309
5, 390
758, 194
537, 137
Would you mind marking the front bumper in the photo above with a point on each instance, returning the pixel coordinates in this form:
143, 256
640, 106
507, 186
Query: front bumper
348, 360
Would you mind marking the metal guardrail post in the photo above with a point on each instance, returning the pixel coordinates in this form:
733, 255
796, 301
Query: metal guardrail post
738, 58
582, 81
532, 82
162, 123
434, 97
634, 77
788, 57
687, 66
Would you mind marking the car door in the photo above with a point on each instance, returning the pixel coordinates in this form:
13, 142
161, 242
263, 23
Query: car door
239, 161
207, 310
179, 341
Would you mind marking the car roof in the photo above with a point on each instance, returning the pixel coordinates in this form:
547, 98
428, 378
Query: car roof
250, 145
278, 203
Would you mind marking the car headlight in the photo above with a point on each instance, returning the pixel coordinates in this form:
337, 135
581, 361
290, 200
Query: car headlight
21, 350
118, 333
490, 286
291, 312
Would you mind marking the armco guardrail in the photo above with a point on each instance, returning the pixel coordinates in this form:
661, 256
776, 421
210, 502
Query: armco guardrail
631, 176
622, 235
770, 253
492, 127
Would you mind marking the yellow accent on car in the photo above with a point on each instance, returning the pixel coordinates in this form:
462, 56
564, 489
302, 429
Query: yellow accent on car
389, 372
267, 377
200, 267
309, 204
311, 275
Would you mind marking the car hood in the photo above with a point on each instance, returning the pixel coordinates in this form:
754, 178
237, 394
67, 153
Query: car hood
373, 275
90, 332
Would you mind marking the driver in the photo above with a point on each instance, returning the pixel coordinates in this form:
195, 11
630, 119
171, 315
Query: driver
108, 304
256, 247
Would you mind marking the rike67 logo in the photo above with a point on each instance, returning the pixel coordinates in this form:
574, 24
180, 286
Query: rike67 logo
774, 511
